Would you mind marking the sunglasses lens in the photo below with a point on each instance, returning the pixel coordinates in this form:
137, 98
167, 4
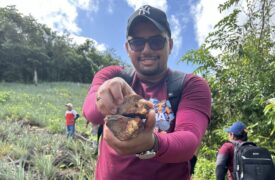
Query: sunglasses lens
157, 42
137, 44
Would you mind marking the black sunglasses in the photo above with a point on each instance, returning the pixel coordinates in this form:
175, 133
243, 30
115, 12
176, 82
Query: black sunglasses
155, 42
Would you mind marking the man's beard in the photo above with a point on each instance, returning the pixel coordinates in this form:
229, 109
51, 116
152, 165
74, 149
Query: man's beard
150, 72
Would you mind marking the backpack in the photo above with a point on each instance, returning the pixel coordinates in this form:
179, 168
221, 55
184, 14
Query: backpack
252, 162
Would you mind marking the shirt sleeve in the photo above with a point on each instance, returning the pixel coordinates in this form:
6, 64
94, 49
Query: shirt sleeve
222, 161
74, 113
89, 109
192, 119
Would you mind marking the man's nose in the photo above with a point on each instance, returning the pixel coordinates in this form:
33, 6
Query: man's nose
146, 48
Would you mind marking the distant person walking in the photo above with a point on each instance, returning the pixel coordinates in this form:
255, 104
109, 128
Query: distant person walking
224, 164
70, 115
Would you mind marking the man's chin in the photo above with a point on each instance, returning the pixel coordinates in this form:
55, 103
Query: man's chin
149, 71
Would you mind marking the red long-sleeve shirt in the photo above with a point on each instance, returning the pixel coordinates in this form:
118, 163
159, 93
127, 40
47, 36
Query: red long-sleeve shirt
175, 148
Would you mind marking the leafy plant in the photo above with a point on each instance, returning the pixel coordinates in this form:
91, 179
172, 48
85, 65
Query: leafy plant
241, 75
4, 97
43, 164
33, 143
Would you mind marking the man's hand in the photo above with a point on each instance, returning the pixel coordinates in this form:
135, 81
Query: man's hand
77, 116
143, 142
110, 95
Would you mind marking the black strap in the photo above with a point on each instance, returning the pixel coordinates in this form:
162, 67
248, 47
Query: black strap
127, 74
175, 85
238, 144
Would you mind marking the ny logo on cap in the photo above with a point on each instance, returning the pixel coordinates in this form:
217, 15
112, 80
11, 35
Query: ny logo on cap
144, 10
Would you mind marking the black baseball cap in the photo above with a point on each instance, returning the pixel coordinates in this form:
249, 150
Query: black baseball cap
155, 15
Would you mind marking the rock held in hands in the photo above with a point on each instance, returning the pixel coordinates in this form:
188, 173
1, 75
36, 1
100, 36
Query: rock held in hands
131, 117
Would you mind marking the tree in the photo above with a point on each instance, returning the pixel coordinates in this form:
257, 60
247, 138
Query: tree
28, 48
22, 45
242, 75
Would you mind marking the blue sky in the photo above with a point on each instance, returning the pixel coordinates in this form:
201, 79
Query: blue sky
104, 21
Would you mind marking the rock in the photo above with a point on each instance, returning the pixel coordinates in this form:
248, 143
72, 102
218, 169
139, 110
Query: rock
130, 119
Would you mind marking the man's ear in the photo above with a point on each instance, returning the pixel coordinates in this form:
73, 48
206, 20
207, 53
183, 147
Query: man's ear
171, 43
126, 46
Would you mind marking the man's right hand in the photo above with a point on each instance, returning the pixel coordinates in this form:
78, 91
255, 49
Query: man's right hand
111, 94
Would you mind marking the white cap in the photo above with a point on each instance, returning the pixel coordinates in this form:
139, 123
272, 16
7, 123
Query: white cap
69, 105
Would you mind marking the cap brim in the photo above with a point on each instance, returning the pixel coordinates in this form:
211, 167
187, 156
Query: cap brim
227, 130
137, 18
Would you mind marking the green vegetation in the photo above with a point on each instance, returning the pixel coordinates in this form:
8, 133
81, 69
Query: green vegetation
32, 126
41, 51
33, 144
241, 75
41, 105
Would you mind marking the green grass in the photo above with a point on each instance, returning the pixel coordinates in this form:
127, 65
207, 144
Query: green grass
42, 104
33, 143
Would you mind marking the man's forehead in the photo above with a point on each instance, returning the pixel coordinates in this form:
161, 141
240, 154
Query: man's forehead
144, 25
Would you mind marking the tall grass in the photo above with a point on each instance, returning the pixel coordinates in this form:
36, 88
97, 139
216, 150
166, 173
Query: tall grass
42, 104
33, 144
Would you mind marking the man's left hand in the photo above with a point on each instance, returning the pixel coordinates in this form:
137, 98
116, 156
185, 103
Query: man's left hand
143, 142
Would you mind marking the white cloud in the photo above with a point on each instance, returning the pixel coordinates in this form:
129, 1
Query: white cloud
82, 4
176, 34
59, 15
110, 7
81, 39
135, 4
206, 15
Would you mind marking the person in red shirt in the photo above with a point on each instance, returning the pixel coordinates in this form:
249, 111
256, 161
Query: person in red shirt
224, 163
70, 115
169, 139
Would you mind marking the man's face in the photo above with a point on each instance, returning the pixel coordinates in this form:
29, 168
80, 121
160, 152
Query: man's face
230, 136
147, 61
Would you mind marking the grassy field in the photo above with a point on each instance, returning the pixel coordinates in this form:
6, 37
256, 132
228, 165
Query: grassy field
33, 143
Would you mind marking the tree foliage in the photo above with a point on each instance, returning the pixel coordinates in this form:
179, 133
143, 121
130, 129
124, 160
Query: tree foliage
241, 74
27, 46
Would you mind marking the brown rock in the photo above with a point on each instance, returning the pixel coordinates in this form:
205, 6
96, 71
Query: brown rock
129, 121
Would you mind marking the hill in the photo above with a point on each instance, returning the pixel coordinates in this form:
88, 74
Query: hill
33, 143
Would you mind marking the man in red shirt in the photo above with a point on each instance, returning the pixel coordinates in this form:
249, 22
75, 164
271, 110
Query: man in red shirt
224, 164
70, 115
171, 144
